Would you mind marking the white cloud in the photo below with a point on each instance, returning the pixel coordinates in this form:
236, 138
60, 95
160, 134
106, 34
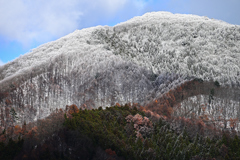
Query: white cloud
1, 62
29, 21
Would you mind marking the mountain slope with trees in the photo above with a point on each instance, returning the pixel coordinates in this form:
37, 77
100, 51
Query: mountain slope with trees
176, 67
130, 62
122, 133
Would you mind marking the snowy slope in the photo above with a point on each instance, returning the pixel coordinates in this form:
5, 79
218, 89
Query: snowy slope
74, 43
186, 44
161, 41
133, 61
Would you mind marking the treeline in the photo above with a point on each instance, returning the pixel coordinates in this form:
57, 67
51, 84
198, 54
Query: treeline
19, 142
27, 103
165, 103
124, 132
62, 84
196, 99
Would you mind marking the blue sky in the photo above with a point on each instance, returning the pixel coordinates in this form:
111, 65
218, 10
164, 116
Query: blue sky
26, 24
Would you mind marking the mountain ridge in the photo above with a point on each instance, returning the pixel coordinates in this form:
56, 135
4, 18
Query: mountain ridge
172, 81
127, 63
162, 15
148, 17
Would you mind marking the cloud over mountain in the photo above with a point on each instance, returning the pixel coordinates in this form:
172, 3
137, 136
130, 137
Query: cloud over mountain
41, 21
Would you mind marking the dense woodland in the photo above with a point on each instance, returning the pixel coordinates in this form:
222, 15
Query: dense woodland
119, 132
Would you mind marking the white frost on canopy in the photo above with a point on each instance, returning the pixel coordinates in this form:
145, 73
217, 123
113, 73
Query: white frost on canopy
102, 65
160, 41
45, 54
160, 17
184, 44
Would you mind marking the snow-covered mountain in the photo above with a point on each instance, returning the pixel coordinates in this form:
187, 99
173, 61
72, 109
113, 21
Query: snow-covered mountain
134, 61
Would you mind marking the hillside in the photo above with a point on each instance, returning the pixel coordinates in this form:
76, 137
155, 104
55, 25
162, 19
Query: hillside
155, 40
174, 65
120, 133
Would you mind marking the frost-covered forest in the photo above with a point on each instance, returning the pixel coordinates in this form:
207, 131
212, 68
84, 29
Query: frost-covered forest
133, 62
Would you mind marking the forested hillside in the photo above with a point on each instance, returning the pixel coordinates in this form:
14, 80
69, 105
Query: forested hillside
130, 62
120, 132
179, 68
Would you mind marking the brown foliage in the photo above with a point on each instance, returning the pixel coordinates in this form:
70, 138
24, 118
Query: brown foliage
8, 102
2, 138
110, 152
18, 130
117, 104
72, 109
164, 105
233, 122
129, 118
3, 95
140, 124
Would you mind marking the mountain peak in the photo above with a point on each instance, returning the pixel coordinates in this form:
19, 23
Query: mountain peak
162, 16
134, 61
